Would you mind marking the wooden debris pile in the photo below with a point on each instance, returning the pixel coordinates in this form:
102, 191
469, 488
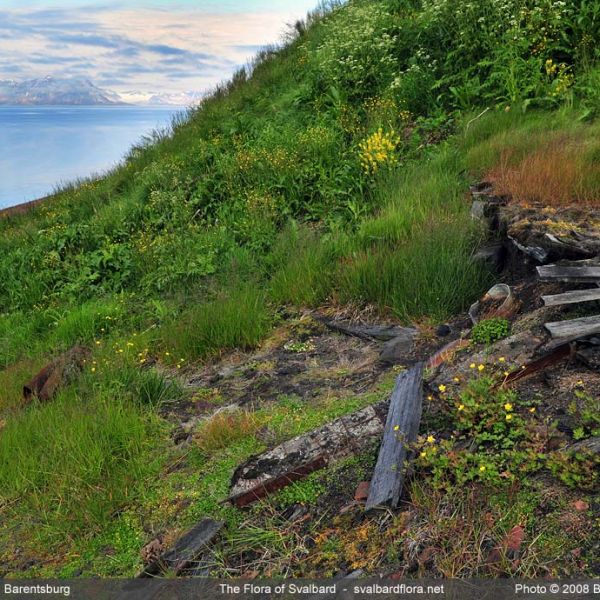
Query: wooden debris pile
300, 456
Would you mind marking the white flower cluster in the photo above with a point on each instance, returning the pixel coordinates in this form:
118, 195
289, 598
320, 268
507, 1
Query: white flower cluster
359, 45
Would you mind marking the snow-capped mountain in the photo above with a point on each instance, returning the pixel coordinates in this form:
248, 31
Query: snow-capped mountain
81, 91
55, 90
153, 99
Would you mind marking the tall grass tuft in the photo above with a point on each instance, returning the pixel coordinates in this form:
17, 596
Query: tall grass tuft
432, 274
239, 319
304, 264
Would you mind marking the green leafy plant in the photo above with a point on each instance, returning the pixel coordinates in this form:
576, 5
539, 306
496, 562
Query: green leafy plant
489, 331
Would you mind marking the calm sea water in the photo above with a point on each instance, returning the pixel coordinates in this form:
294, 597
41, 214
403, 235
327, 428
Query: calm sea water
42, 147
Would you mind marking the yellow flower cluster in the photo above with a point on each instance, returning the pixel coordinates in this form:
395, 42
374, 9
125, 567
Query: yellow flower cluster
348, 120
261, 203
279, 158
380, 105
563, 78
378, 150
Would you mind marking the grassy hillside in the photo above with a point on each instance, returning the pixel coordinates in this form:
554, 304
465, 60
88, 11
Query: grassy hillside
331, 173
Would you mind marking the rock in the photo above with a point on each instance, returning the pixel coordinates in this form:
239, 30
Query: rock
493, 255
580, 506
443, 331
517, 349
396, 349
362, 491
478, 210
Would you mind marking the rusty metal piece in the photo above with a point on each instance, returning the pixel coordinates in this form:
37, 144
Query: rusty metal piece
447, 353
548, 360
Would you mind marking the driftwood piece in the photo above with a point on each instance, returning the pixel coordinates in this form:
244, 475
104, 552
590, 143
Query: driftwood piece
569, 273
59, 373
573, 329
296, 458
186, 551
401, 429
573, 297
383, 333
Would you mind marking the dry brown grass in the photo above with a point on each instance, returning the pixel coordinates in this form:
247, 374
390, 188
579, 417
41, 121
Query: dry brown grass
565, 171
225, 428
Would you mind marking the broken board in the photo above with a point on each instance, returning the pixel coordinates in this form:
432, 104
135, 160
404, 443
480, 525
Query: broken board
383, 333
573, 297
573, 329
401, 429
184, 554
569, 273
296, 458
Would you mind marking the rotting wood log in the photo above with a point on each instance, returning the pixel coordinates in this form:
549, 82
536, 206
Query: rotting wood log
300, 456
573, 329
569, 273
574, 297
186, 550
60, 372
383, 333
401, 429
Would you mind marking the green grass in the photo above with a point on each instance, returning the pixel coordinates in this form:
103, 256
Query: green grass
69, 463
239, 319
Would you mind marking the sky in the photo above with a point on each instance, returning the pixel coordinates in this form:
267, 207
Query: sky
140, 45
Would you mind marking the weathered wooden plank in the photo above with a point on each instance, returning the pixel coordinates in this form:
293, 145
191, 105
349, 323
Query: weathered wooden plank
573, 329
186, 550
573, 297
401, 429
296, 458
591, 445
569, 273
382, 333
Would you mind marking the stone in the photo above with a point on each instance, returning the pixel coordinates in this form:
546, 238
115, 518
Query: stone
443, 331
396, 349
362, 491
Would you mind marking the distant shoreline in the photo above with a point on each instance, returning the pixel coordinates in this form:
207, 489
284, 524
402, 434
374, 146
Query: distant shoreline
23, 208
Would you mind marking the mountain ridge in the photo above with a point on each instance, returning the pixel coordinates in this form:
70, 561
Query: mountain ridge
80, 91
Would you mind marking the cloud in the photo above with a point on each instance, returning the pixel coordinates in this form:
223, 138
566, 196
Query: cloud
156, 47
